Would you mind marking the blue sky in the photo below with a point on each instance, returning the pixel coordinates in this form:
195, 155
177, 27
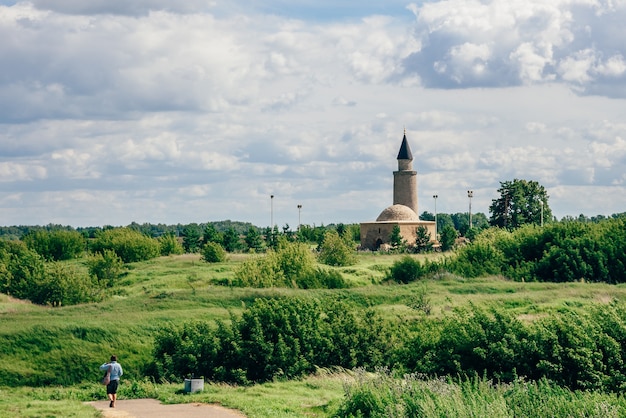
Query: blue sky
176, 112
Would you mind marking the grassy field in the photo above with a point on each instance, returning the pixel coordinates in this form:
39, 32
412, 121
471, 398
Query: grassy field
176, 289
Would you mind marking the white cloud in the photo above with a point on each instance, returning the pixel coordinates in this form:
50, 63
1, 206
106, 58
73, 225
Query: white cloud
150, 111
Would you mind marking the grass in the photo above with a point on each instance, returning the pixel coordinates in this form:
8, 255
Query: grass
175, 289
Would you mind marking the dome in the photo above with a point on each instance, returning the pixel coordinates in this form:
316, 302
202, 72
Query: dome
397, 213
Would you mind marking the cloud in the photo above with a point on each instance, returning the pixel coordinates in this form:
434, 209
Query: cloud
121, 7
467, 43
115, 112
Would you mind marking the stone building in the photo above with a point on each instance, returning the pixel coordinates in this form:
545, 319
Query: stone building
404, 210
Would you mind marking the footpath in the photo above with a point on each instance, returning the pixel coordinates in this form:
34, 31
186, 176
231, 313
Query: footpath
151, 408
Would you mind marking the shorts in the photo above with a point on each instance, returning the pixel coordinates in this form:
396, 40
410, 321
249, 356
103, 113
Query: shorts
112, 387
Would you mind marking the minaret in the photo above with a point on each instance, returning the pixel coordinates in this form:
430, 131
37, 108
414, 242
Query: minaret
405, 179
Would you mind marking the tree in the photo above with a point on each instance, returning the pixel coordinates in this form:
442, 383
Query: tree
169, 244
395, 240
191, 238
212, 235
106, 267
253, 240
58, 244
335, 251
422, 240
212, 252
520, 203
447, 237
231, 240
130, 245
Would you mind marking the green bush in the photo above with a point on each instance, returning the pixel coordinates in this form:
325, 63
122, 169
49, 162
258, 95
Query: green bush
212, 252
579, 351
274, 338
322, 278
335, 251
169, 245
106, 267
287, 266
25, 275
128, 244
407, 270
21, 269
64, 284
57, 244
559, 252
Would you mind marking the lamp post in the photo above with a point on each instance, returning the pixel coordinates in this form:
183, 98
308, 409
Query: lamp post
541, 203
435, 197
470, 194
299, 208
272, 212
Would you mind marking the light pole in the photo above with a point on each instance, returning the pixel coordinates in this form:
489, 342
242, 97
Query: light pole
272, 212
299, 208
470, 194
435, 197
541, 203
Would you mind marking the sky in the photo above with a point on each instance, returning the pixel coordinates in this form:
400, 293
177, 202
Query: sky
164, 111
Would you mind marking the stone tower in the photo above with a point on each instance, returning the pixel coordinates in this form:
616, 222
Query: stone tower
405, 179
403, 212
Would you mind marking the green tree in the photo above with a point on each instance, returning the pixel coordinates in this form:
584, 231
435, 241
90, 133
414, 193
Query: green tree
253, 240
191, 238
130, 245
106, 267
447, 237
422, 240
21, 269
210, 234
520, 203
169, 244
397, 242
57, 244
63, 284
212, 252
335, 251
232, 243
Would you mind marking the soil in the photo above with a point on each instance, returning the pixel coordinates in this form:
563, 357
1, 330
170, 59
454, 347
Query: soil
151, 408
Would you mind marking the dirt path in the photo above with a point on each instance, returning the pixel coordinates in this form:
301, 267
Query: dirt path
151, 408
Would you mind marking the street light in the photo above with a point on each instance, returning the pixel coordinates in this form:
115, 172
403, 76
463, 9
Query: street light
272, 212
541, 203
299, 208
435, 197
470, 194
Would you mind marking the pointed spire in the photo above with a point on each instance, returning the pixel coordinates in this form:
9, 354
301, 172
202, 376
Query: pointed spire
405, 149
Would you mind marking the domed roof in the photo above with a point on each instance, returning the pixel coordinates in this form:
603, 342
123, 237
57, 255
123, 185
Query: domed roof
397, 213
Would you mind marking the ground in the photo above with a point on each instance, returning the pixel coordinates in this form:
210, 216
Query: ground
151, 408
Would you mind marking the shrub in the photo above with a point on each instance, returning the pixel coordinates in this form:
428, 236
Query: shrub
169, 244
64, 284
128, 244
274, 338
406, 270
212, 252
106, 267
57, 244
20, 269
322, 279
289, 264
335, 251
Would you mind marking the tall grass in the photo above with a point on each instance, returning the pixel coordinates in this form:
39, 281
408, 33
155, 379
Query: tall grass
383, 396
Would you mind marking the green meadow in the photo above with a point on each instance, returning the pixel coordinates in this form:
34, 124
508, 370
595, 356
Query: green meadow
49, 356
